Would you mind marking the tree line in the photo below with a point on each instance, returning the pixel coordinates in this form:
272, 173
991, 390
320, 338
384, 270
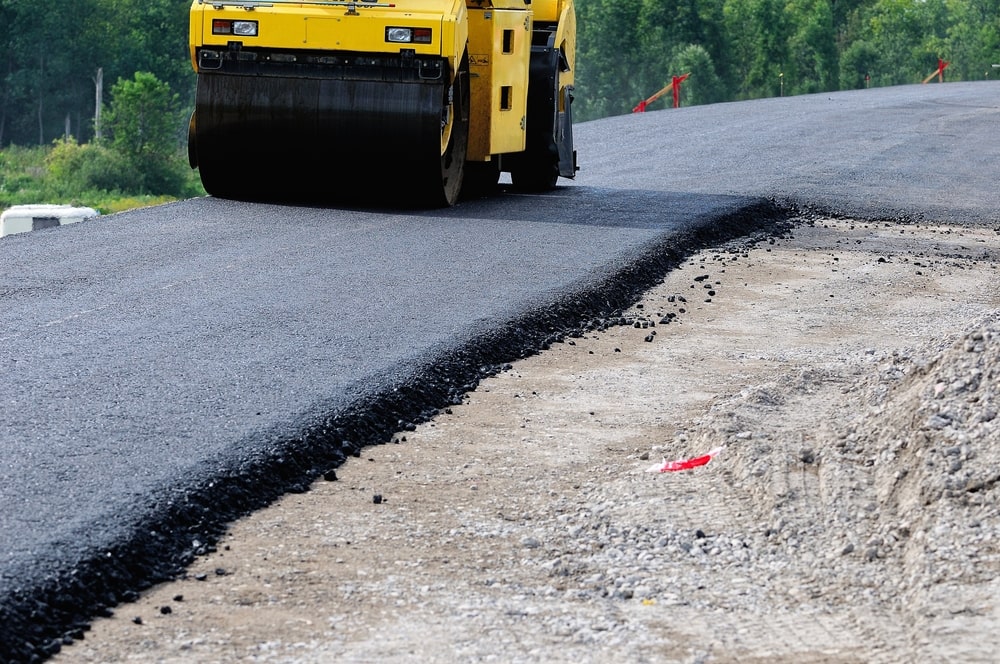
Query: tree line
743, 49
53, 49
66, 60
627, 49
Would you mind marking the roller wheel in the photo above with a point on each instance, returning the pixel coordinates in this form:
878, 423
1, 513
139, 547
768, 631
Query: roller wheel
548, 152
261, 135
481, 179
192, 143
454, 141
539, 173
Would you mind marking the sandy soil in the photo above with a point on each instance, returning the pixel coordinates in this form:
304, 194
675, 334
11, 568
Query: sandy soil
848, 370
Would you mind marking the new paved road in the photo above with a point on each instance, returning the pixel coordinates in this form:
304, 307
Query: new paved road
164, 370
929, 151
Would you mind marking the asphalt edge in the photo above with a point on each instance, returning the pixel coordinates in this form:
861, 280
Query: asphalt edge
38, 619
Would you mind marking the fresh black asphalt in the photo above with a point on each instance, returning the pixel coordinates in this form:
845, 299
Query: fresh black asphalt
166, 370
903, 153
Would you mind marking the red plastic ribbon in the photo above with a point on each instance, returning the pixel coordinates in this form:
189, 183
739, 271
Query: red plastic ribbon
684, 464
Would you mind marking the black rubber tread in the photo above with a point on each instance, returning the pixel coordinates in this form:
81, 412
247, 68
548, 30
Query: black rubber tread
481, 179
301, 138
537, 168
453, 163
538, 175
192, 143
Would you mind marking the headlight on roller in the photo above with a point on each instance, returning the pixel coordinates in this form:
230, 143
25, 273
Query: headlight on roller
222, 26
395, 35
245, 28
399, 35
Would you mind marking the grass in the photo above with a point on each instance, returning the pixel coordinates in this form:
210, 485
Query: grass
26, 177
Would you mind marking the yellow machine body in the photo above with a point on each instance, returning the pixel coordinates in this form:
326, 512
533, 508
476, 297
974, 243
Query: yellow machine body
333, 27
442, 94
499, 52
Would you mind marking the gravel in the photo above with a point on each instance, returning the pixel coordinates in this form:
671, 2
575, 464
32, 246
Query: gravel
853, 513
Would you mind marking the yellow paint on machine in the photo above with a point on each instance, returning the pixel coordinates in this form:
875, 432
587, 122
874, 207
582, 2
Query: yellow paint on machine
499, 53
334, 28
565, 40
549, 11
364, 33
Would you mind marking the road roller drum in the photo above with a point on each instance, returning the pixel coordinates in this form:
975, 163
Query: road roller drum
377, 102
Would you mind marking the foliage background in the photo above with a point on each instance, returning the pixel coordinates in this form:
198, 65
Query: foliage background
627, 50
50, 53
743, 49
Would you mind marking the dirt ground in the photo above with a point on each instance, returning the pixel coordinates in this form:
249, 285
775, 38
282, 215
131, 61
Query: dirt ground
849, 371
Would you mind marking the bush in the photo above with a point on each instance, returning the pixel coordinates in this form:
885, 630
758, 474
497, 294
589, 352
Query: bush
75, 168
169, 175
144, 122
22, 175
92, 175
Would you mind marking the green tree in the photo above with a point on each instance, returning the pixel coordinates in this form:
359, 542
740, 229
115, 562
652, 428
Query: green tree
908, 35
813, 63
47, 57
7, 68
143, 116
53, 48
149, 35
143, 121
630, 49
705, 86
856, 65
757, 31
667, 27
608, 58
973, 39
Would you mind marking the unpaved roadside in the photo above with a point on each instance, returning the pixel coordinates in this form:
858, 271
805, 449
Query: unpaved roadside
850, 370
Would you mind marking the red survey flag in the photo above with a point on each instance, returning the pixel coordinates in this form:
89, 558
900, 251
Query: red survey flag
684, 464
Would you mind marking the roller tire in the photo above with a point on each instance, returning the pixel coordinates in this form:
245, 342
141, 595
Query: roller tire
537, 168
192, 143
539, 174
448, 188
302, 139
481, 179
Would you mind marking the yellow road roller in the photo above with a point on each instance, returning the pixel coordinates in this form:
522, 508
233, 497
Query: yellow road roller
411, 102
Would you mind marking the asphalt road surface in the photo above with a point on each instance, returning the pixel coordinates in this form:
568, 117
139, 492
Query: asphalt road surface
910, 152
168, 369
